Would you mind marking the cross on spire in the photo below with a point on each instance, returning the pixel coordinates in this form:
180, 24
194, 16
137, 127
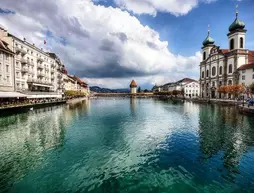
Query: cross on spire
236, 11
208, 29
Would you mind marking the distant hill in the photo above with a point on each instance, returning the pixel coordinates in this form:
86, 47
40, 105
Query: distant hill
107, 90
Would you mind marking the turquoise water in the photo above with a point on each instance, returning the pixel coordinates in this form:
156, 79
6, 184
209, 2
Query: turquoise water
127, 145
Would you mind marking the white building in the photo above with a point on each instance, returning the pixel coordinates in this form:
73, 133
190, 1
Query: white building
35, 72
224, 66
191, 89
6, 68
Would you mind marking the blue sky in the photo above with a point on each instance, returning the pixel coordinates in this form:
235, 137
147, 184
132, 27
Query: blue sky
110, 42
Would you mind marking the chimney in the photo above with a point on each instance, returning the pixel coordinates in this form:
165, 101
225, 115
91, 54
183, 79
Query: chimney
24, 39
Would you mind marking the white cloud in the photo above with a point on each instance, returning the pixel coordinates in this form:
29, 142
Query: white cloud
104, 45
175, 7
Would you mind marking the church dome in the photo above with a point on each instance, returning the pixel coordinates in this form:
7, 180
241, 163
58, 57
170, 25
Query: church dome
208, 40
237, 24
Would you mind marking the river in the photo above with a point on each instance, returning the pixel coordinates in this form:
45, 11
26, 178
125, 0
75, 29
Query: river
127, 145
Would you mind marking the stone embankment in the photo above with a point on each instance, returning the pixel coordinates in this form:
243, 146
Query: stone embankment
245, 109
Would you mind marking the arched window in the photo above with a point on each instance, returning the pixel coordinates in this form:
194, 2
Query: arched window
230, 68
220, 70
207, 73
241, 42
203, 74
213, 71
232, 44
204, 55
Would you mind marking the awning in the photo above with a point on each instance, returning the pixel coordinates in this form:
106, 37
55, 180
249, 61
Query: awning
12, 95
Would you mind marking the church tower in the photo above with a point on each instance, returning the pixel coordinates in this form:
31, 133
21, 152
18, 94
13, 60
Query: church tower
208, 43
236, 35
238, 52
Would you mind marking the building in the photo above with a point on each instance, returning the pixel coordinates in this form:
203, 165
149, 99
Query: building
133, 87
226, 66
187, 85
6, 67
191, 89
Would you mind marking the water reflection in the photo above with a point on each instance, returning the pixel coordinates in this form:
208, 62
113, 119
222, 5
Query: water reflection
24, 138
223, 132
133, 104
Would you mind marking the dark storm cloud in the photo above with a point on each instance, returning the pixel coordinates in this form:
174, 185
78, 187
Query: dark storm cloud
110, 70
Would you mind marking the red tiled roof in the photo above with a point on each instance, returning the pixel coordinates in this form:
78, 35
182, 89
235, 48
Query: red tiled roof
246, 66
224, 51
80, 81
251, 56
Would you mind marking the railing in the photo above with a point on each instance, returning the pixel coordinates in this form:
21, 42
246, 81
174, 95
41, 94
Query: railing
23, 51
40, 66
40, 60
37, 81
23, 61
41, 74
24, 69
17, 50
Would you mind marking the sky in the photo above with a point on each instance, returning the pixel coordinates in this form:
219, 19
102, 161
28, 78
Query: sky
110, 42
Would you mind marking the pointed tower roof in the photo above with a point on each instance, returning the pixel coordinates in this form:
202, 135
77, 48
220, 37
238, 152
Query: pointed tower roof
133, 84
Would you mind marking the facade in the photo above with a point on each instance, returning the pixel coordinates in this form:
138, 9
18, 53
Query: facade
246, 74
29, 70
6, 67
223, 66
188, 85
191, 89
133, 87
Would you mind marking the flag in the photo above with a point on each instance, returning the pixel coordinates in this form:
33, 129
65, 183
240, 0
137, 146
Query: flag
45, 42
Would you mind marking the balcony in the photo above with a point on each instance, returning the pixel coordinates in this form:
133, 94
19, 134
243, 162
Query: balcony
40, 60
23, 61
31, 63
40, 66
24, 69
23, 51
17, 50
40, 74
39, 82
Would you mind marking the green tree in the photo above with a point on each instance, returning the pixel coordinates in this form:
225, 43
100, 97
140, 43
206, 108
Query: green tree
139, 89
252, 88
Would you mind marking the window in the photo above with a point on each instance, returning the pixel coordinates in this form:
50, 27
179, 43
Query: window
220, 83
241, 42
7, 68
232, 44
207, 73
230, 82
252, 76
8, 78
243, 84
243, 77
220, 70
213, 83
243, 71
230, 68
207, 84
204, 55
213, 71
0, 76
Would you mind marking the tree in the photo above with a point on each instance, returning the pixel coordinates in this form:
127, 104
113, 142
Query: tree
139, 89
235, 89
174, 92
251, 87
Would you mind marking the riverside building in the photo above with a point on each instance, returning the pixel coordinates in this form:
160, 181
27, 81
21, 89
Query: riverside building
31, 71
233, 65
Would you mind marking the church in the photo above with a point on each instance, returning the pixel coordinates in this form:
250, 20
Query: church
234, 65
